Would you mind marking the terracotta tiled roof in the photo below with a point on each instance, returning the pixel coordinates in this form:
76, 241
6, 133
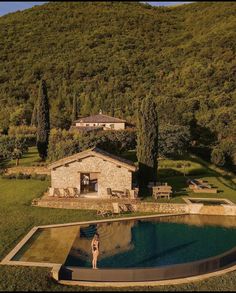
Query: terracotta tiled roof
100, 118
95, 152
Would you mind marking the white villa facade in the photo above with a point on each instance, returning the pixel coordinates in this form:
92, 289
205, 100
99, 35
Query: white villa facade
100, 121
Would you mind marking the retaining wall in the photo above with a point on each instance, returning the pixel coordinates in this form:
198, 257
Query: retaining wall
149, 207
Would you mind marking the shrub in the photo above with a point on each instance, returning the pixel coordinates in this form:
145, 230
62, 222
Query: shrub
13, 147
113, 141
62, 143
218, 157
22, 176
41, 177
22, 130
173, 140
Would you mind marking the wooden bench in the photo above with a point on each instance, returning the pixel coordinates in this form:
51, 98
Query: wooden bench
161, 191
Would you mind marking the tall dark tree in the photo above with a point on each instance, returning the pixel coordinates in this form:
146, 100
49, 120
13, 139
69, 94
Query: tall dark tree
74, 115
43, 127
34, 117
147, 141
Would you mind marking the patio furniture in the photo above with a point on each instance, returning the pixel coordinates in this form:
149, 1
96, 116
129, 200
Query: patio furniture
161, 191
126, 193
118, 193
131, 207
116, 208
200, 186
73, 192
51, 191
134, 193
61, 192
104, 213
123, 207
109, 192
66, 192
56, 192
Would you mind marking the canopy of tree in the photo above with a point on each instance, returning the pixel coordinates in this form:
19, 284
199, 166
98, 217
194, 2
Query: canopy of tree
111, 55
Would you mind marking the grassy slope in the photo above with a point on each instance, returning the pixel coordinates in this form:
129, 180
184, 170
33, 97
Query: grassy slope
17, 217
197, 168
121, 52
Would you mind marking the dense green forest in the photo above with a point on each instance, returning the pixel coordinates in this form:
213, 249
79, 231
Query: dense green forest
111, 55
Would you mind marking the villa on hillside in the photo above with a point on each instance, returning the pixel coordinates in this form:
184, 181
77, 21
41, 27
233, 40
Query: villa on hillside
100, 122
92, 173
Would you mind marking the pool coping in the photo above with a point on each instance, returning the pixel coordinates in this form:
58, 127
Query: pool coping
148, 283
7, 259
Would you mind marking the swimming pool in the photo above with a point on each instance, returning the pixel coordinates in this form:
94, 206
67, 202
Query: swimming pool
153, 243
208, 201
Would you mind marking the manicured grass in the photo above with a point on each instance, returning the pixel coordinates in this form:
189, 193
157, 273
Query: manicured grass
226, 189
194, 167
30, 158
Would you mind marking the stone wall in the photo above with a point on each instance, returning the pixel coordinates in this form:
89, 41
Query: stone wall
110, 175
96, 204
149, 207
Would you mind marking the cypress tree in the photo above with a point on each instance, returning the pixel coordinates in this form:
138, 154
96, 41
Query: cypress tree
34, 117
74, 115
43, 125
147, 141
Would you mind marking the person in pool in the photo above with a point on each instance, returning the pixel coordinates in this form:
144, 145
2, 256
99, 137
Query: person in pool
95, 250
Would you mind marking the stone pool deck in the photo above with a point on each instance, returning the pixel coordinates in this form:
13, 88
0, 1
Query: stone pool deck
140, 206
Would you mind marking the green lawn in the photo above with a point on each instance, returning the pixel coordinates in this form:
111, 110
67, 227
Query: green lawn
176, 172
17, 217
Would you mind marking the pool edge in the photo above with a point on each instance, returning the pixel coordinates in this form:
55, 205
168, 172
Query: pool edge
7, 260
148, 283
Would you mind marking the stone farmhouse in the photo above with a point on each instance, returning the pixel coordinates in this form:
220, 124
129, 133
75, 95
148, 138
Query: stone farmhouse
92, 173
100, 122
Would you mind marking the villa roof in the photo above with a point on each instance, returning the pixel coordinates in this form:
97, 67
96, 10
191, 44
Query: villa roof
97, 153
100, 118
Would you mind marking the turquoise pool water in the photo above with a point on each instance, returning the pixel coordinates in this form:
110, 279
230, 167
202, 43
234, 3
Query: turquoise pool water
134, 243
153, 243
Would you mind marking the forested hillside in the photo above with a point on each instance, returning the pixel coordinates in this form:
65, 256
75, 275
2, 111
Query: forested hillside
111, 55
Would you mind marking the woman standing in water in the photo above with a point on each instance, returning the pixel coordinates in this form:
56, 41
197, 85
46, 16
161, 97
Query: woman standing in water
95, 250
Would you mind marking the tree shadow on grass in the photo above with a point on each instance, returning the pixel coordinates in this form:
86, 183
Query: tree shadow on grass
230, 185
